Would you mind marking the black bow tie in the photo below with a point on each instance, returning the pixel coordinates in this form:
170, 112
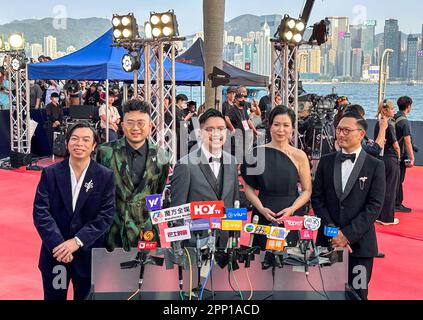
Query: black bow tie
211, 160
345, 157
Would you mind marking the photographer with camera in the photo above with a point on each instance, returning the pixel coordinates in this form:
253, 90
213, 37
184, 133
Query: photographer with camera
72, 90
404, 136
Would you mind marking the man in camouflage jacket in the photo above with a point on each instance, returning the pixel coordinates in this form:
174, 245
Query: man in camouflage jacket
131, 212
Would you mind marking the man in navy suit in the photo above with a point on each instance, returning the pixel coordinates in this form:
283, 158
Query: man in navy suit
73, 209
348, 193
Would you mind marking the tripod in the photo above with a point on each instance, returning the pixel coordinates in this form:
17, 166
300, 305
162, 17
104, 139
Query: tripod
323, 140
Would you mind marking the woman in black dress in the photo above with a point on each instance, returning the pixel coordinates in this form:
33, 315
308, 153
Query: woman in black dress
390, 156
275, 171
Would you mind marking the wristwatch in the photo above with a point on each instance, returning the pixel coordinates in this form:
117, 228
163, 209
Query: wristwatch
79, 242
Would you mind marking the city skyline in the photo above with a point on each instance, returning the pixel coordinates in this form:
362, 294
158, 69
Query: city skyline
190, 21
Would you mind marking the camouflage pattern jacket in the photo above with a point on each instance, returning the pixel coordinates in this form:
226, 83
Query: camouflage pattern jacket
131, 212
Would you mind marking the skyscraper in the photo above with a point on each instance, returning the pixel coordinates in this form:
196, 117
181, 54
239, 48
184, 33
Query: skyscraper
392, 40
315, 60
264, 52
50, 46
344, 56
36, 50
338, 28
273, 21
412, 48
356, 64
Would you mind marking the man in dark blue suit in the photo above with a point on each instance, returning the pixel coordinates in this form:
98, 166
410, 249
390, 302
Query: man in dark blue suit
73, 209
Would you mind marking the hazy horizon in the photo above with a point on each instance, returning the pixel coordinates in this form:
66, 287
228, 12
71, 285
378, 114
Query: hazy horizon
190, 21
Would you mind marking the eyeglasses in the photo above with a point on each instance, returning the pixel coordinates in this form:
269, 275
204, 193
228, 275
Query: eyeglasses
133, 124
346, 131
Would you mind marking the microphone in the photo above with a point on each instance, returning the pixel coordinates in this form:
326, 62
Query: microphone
178, 252
331, 232
237, 234
255, 221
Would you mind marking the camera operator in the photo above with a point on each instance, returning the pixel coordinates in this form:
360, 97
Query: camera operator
72, 90
341, 104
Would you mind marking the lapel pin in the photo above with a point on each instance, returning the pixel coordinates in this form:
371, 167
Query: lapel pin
88, 186
363, 182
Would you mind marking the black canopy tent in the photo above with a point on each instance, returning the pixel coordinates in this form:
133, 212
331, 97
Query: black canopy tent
195, 56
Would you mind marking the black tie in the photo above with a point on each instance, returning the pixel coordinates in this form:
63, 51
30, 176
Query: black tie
345, 157
211, 160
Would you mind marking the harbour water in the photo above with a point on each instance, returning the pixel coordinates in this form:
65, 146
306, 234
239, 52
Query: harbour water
358, 93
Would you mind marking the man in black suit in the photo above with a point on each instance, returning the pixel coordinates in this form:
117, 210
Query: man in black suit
348, 193
74, 207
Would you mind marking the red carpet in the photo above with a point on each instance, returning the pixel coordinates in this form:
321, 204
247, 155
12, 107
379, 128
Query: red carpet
395, 277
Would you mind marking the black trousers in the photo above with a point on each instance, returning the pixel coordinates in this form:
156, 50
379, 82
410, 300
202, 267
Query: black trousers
359, 272
392, 180
81, 286
400, 193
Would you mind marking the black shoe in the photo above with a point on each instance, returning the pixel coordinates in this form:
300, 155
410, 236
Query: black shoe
380, 255
403, 209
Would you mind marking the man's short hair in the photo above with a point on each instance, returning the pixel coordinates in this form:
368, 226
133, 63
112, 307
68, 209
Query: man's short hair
210, 113
356, 108
81, 125
182, 97
361, 122
54, 95
404, 102
232, 90
137, 105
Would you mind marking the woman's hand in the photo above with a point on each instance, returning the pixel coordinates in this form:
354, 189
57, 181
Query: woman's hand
269, 214
288, 212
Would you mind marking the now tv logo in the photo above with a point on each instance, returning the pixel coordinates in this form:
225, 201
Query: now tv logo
293, 223
207, 209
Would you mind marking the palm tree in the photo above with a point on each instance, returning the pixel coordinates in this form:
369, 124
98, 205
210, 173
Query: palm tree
214, 19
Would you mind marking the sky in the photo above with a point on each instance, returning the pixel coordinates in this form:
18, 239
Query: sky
189, 12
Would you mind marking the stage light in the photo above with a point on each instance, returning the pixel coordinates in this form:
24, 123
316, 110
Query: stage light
18, 62
154, 20
126, 21
130, 63
148, 30
167, 32
164, 24
156, 32
291, 30
124, 27
126, 33
300, 26
17, 41
297, 38
116, 22
166, 18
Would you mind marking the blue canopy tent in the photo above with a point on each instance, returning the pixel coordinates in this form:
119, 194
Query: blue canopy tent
99, 61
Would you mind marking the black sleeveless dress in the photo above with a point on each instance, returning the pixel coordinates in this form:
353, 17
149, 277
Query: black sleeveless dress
277, 185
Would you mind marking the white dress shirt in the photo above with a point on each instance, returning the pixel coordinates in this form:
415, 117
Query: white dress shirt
347, 167
76, 185
215, 166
